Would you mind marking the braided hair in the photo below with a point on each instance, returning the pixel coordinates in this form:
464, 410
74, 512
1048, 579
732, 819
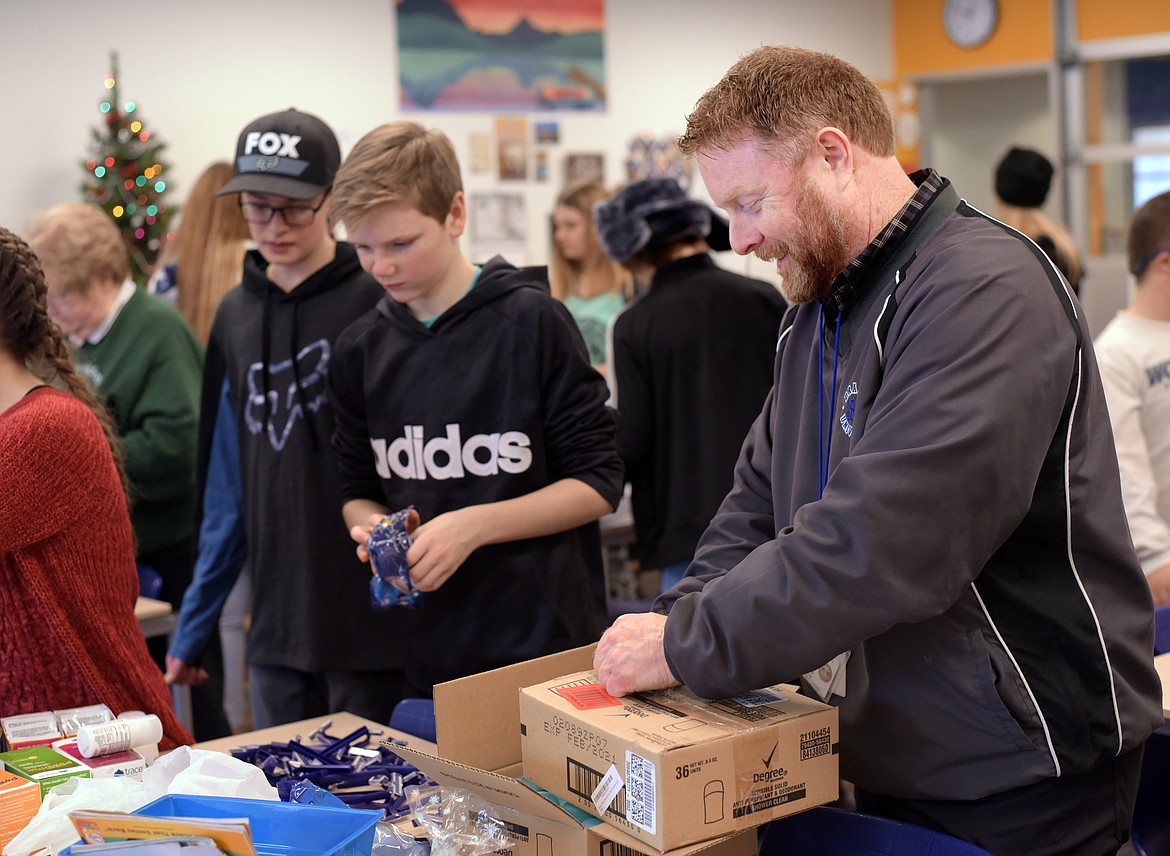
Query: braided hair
31, 336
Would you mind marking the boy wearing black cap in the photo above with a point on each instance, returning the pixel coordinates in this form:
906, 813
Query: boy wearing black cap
691, 364
268, 476
467, 393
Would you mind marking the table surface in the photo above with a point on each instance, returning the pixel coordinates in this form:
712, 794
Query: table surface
343, 723
146, 608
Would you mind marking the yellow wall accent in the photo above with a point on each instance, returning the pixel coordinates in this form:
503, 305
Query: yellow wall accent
1024, 35
1114, 19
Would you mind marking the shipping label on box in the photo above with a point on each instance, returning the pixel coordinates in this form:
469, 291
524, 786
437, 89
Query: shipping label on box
671, 769
43, 765
19, 801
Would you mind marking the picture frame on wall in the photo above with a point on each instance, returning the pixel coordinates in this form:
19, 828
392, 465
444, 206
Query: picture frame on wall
499, 225
512, 148
584, 166
493, 55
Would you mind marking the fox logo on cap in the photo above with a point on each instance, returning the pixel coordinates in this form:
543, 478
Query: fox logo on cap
291, 154
272, 143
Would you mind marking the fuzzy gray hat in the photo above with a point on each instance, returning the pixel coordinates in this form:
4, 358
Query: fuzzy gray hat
653, 211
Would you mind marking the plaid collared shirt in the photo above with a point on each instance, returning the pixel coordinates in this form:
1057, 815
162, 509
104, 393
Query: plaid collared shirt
845, 284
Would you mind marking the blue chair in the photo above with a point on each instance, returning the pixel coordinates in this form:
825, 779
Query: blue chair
1150, 831
1162, 629
415, 716
827, 831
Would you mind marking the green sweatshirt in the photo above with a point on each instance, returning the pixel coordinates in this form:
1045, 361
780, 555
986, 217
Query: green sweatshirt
147, 368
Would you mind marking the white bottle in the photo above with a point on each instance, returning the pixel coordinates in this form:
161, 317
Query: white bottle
148, 751
106, 738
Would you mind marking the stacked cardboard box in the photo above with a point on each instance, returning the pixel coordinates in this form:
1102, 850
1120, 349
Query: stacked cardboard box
478, 729
29, 729
43, 765
671, 769
128, 762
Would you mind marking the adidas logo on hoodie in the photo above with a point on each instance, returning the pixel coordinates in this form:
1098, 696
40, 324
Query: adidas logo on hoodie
413, 457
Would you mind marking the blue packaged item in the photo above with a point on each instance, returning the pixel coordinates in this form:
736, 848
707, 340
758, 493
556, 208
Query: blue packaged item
391, 586
280, 828
304, 792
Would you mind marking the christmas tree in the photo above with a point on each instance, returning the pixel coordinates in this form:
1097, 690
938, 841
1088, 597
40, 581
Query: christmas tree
123, 175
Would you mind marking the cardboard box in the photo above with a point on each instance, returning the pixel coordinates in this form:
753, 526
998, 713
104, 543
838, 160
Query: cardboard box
477, 721
672, 769
43, 765
29, 729
126, 763
72, 718
19, 801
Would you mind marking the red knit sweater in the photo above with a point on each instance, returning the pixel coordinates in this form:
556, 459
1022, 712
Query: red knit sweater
67, 576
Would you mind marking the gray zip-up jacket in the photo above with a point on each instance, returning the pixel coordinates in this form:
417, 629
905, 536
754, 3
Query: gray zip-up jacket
970, 548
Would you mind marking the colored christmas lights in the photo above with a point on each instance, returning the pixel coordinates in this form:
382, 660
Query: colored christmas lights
122, 175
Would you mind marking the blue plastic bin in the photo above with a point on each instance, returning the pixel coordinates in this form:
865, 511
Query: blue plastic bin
280, 828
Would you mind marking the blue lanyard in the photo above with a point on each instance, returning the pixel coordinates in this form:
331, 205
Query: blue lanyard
825, 439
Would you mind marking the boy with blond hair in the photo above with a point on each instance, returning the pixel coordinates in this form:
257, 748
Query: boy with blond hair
467, 394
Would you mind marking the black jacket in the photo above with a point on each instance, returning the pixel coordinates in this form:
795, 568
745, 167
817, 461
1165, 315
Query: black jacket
692, 365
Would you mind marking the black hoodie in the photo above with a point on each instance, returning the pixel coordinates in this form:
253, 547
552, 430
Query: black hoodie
496, 399
311, 608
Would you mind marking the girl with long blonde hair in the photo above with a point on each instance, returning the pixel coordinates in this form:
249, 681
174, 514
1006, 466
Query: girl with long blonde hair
205, 258
592, 286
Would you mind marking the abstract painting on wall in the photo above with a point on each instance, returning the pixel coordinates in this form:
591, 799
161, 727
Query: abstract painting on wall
501, 54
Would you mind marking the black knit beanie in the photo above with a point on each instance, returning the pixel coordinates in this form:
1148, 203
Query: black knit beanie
1023, 178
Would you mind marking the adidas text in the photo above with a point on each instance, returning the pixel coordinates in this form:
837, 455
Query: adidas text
411, 456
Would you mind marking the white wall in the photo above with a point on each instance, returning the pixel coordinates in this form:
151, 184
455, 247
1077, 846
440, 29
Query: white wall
200, 71
961, 143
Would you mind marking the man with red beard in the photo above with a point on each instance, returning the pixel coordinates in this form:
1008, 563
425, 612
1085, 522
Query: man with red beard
926, 521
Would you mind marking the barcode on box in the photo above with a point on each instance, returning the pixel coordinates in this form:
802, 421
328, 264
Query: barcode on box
640, 792
612, 848
583, 781
758, 698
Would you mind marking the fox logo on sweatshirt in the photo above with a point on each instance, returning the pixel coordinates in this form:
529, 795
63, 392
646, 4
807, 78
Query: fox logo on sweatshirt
279, 411
412, 456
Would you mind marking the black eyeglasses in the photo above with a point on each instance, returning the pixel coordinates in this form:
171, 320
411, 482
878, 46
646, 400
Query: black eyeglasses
293, 215
1141, 266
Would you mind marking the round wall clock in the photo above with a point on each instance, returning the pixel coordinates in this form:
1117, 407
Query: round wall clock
970, 23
